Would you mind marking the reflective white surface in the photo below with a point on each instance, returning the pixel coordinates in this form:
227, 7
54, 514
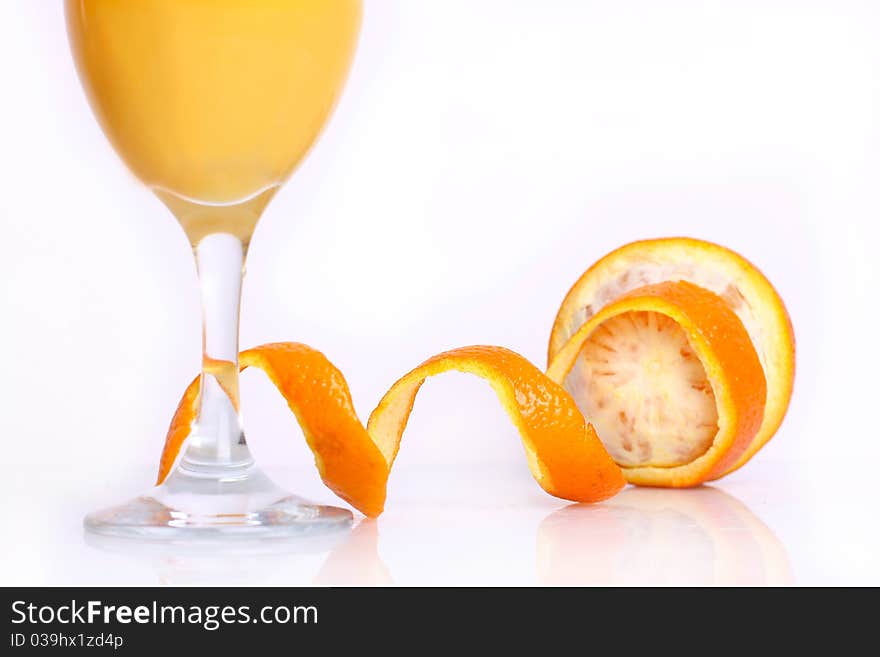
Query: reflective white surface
483, 525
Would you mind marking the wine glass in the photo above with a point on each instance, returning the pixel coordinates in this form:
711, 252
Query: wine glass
212, 104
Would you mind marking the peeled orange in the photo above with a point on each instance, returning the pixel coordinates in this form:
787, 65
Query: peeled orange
676, 408
671, 381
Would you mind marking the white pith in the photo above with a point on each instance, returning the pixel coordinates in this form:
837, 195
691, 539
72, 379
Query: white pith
625, 276
646, 391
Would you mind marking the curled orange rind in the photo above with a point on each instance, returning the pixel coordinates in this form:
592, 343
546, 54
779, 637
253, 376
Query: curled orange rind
679, 352
564, 453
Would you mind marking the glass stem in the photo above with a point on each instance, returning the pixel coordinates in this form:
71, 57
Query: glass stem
217, 446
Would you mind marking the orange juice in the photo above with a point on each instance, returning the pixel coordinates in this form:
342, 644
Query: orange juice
213, 103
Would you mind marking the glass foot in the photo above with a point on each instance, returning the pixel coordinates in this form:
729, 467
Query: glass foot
189, 507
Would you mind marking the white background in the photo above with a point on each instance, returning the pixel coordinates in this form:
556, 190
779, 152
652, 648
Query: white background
483, 155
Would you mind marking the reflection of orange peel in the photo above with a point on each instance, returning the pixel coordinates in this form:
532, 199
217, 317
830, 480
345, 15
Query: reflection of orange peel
564, 453
222, 371
650, 537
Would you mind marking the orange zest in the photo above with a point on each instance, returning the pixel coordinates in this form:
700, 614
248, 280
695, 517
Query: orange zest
563, 451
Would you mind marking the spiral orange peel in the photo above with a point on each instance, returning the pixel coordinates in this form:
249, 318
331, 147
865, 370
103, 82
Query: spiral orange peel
563, 451
678, 350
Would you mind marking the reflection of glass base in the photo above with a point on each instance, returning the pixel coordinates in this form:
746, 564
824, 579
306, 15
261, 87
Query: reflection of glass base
194, 507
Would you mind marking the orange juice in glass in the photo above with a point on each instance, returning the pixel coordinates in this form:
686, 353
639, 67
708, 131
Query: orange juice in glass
212, 104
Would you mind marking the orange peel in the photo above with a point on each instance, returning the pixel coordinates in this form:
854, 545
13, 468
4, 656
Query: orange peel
715, 268
701, 332
719, 340
563, 451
